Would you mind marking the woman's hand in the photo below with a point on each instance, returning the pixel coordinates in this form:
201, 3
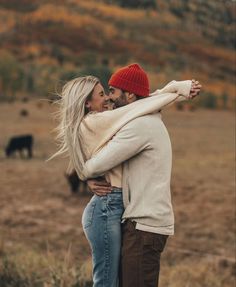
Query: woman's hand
195, 89
99, 187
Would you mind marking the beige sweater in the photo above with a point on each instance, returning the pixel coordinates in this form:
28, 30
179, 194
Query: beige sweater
98, 128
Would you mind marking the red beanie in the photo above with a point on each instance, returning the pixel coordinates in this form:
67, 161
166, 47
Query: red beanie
132, 79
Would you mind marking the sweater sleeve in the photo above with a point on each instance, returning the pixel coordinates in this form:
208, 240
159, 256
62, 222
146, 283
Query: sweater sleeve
98, 128
182, 88
128, 142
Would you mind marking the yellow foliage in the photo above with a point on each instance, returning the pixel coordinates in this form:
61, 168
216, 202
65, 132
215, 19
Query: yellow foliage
32, 49
118, 13
168, 18
157, 80
7, 20
112, 10
47, 61
214, 86
213, 51
49, 12
220, 87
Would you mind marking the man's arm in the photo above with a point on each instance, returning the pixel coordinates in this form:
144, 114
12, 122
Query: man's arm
99, 186
128, 142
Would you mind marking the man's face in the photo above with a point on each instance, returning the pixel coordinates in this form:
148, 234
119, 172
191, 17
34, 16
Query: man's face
118, 97
99, 101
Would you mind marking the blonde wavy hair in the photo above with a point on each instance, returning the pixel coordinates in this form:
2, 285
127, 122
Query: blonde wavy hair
71, 112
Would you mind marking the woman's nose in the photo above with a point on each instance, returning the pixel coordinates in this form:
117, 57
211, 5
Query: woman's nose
107, 97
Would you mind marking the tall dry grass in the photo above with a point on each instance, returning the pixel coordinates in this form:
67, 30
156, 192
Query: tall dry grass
30, 268
41, 237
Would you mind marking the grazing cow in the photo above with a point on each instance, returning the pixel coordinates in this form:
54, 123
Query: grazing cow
19, 143
24, 113
75, 183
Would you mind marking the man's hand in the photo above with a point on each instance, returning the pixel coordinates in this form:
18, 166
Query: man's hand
99, 187
195, 89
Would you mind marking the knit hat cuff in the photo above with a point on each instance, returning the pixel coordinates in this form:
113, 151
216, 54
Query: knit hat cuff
129, 86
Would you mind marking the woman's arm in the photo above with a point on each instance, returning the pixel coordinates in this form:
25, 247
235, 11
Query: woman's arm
181, 89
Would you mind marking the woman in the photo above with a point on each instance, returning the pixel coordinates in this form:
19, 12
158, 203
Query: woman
84, 128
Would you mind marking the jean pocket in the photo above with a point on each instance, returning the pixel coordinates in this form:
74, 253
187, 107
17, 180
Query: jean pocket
87, 217
115, 204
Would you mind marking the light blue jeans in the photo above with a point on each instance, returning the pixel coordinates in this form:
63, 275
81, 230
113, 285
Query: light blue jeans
101, 222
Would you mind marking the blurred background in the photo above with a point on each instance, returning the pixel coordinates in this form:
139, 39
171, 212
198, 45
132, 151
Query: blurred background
44, 43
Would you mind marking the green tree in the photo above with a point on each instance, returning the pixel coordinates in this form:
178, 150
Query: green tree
224, 98
11, 74
135, 3
209, 101
30, 83
101, 71
58, 54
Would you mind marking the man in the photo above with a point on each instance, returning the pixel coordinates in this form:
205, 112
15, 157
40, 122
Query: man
144, 146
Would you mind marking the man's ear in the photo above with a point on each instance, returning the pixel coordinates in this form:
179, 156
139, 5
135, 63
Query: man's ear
131, 97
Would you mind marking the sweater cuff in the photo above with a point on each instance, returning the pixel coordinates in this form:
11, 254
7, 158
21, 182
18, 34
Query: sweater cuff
182, 88
86, 173
89, 172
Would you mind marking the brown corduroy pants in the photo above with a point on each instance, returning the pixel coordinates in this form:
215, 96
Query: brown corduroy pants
140, 256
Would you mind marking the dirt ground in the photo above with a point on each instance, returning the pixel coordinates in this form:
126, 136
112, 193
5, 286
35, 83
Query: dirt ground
38, 211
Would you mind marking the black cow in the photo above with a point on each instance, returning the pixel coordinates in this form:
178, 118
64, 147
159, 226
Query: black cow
20, 143
75, 183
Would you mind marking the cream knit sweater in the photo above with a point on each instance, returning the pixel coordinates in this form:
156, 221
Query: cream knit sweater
98, 128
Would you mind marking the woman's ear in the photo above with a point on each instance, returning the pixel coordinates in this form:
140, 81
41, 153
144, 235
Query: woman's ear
88, 105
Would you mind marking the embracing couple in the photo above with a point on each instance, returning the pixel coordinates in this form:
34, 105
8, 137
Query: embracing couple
128, 151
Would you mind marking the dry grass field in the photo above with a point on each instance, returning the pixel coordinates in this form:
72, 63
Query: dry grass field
41, 238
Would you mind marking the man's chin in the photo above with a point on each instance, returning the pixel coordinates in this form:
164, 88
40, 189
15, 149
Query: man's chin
108, 107
119, 105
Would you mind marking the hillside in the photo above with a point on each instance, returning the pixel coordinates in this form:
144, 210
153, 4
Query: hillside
43, 42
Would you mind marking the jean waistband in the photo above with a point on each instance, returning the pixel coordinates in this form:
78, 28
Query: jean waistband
116, 189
